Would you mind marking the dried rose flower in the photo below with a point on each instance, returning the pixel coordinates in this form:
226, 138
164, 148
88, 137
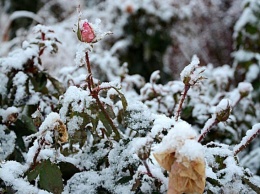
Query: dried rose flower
183, 157
187, 176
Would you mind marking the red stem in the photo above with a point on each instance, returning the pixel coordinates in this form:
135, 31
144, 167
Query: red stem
243, 146
147, 168
186, 89
89, 71
208, 129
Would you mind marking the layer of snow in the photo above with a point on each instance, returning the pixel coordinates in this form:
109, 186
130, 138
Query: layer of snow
249, 135
19, 14
253, 72
50, 122
181, 140
7, 143
4, 113
12, 174
190, 71
245, 87
224, 104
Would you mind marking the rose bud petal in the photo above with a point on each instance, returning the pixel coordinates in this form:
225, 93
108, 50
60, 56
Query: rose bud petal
85, 32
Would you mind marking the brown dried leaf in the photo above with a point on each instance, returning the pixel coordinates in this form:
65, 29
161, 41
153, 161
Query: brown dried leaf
62, 131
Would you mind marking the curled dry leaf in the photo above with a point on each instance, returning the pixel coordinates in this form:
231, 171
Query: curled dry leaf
11, 118
62, 131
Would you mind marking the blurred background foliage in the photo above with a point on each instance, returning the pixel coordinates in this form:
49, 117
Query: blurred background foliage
153, 43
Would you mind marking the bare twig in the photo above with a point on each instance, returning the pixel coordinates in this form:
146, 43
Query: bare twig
247, 139
41, 143
147, 168
210, 123
89, 71
186, 89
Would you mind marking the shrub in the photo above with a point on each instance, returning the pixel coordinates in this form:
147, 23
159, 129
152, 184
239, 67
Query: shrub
80, 134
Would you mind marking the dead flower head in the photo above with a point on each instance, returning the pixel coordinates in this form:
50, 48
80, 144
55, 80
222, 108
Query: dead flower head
182, 156
61, 130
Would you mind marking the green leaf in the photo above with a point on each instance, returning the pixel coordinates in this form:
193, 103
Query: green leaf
187, 112
79, 136
17, 154
251, 29
32, 175
125, 179
50, 177
110, 111
68, 170
56, 84
105, 122
24, 126
123, 99
39, 82
79, 33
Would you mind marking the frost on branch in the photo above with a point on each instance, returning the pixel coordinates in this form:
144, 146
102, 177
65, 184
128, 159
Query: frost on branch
96, 127
161, 98
224, 174
190, 76
250, 135
221, 114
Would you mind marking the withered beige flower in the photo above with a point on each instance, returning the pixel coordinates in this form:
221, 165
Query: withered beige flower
183, 157
185, 176
165, 159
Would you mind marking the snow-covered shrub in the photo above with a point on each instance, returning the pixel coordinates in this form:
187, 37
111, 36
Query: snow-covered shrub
93, 128
247, 39
26, 87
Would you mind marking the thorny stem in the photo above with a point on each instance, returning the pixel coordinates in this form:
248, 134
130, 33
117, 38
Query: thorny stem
240, 98
94, 93
243, 146
89, 70
186, 89
147, 168
42, 49
37, 153
251, 184
117, 135
207, 130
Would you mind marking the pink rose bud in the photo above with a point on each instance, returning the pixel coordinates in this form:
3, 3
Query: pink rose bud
86, 33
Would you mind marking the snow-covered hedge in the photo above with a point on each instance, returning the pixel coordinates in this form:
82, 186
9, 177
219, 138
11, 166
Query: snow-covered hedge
86, 124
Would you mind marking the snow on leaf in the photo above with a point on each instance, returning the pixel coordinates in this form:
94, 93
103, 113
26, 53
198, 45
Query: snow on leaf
7, 143
12, 173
